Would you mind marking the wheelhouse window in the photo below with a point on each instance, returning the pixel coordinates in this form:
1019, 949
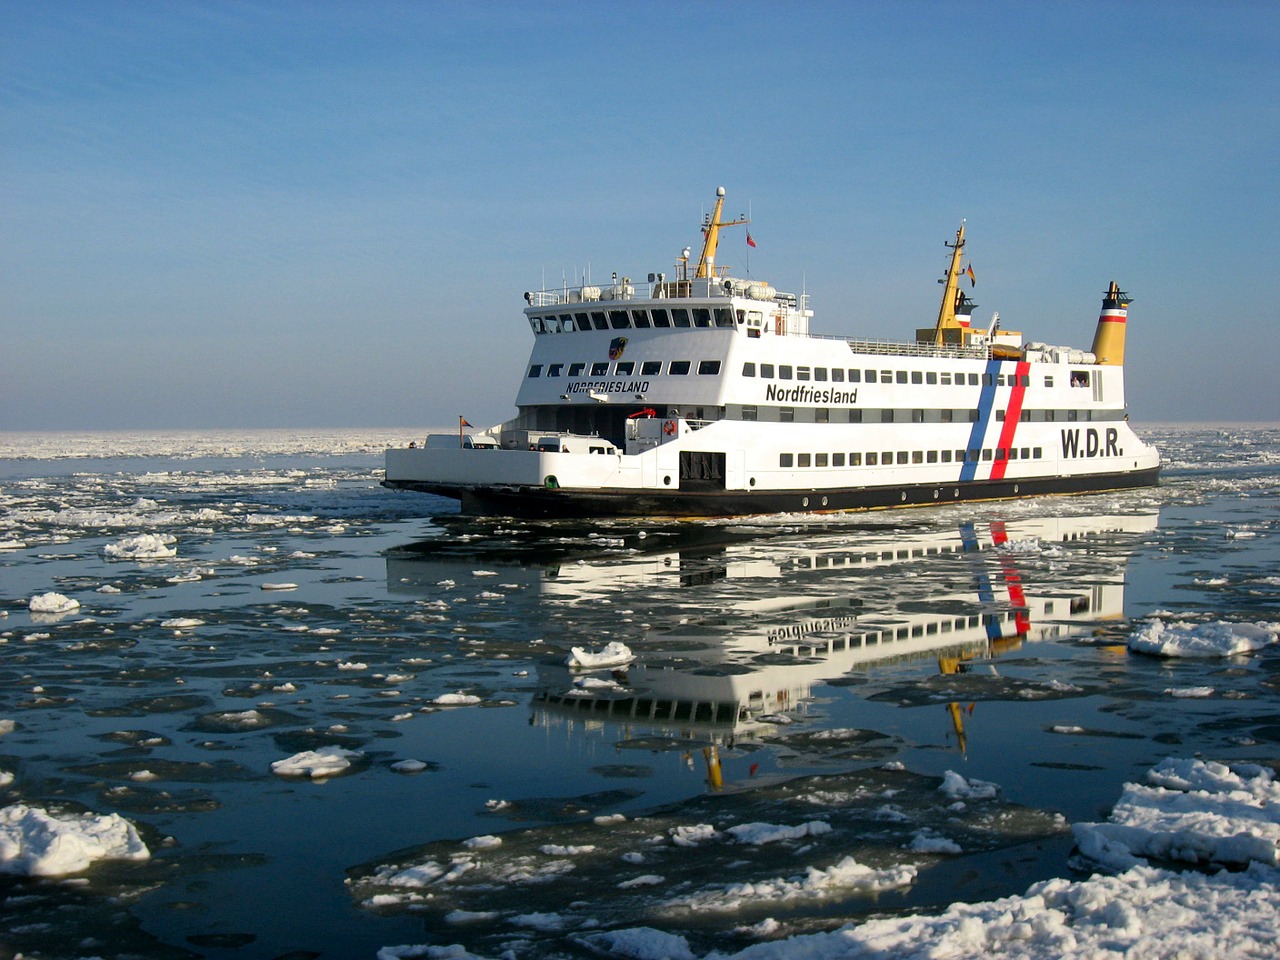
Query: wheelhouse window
535, 370
555, 369
803, 373
680, 316
624, 368
660, 318
785, 460
600, 369
837, 374
640, 318
582, 322
785, 371
575, 369
766, 371
724, 317
619, 320
598, 320
701, 317
678, 368
650, 368
748, 369
708, 368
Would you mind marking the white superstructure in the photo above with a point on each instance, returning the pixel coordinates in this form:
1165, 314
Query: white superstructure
700, 394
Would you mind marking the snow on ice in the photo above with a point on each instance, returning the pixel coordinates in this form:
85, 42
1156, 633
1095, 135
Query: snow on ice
145, 546
1217, 639
35, 842
614, 654
325, 762
53, 603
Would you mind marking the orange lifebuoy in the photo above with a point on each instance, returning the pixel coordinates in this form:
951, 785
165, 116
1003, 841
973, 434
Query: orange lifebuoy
669, 428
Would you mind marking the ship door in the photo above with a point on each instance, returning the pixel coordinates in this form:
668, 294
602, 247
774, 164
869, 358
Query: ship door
700, 470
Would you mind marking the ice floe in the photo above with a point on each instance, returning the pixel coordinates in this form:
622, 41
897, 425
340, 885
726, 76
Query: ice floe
614, 654
35, 842
324, 762
145, 546
53, 603
1216, 639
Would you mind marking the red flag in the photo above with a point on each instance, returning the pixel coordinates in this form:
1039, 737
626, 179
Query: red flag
750, 242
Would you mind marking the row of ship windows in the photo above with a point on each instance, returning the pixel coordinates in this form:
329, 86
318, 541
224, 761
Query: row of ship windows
874, 458
926, 629
786, 371
899, 415
769, 371
626, 368
633, 319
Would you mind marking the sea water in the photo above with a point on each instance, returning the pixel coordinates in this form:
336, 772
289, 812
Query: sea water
342, 719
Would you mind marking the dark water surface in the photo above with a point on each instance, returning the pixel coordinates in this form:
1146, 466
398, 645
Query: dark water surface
787, 670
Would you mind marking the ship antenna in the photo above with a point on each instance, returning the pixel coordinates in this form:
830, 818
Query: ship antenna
711, 236
947, 312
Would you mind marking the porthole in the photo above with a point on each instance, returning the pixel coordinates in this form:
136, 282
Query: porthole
752, 481
667, 480
804, 502
956, 493
824, 501
904, 496
935, 494
1015, 488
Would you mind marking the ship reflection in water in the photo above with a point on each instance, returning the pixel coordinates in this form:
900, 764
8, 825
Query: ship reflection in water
733, 626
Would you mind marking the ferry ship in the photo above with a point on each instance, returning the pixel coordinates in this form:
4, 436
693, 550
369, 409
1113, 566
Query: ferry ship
703, 394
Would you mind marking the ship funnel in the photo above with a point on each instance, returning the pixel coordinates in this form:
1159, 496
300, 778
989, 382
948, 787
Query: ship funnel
1108, 341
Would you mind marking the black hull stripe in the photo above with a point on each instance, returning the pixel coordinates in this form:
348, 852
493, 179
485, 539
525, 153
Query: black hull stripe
515, 501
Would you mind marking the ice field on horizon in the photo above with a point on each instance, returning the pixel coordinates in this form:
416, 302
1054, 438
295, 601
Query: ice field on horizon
240, 676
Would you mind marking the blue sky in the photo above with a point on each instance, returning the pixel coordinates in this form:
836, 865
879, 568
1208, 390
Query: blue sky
317, 214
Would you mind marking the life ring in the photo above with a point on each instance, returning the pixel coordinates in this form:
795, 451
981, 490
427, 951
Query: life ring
669, 428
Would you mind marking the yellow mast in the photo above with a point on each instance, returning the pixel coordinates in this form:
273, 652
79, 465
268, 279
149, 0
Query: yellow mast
947, 312
711, 237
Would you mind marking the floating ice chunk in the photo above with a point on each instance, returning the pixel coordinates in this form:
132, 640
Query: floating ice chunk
614, 654
422, 951
1189, 693
683, 836
926, 841
34, 842
181, 623
1217, 639
6, 779
556, 850
957, 787
1197, 812
107, 588
762, 833
645, 880
52, 603
7, 726
640, 943
12, 545
596, 683
279, 586
352, 665
325, 762
408, 766
483, 573
486, 842
145, 546
458, 699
